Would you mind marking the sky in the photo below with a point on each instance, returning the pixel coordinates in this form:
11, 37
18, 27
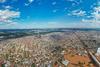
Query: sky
20, 14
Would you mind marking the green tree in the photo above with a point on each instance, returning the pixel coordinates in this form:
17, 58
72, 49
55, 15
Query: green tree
33, 65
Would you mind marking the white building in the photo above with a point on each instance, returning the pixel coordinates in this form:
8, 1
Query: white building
98, 52
65, 62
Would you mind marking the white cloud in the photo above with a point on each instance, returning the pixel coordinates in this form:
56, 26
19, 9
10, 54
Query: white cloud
95, 16
8, 16
26, 4
7, 7
54, 3
75, 2
78, 13
88, 20
55, 10
70, 0
29, 2
97, 8
2, 1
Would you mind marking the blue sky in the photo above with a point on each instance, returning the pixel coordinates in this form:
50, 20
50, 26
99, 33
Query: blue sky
49, 14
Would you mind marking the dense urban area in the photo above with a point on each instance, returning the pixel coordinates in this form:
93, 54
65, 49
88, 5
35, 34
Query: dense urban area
64, 48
